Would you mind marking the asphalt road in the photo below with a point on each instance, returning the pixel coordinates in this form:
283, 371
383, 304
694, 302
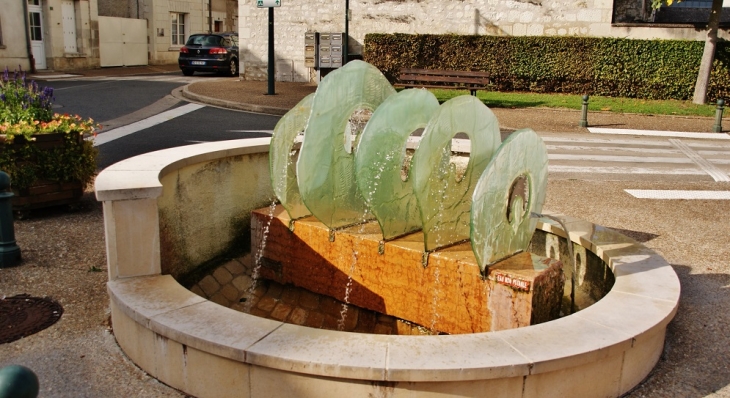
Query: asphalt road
106, 100
203, 125
115, 103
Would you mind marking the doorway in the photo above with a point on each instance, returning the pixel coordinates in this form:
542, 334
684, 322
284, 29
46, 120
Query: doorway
35, 19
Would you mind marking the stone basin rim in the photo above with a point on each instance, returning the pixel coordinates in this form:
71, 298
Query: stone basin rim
643, 300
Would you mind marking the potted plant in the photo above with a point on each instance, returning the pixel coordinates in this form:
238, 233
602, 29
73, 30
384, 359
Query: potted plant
48, 156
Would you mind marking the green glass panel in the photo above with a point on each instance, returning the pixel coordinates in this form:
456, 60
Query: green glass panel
379, 160
512, 186
444, 202
326, 169
283, 156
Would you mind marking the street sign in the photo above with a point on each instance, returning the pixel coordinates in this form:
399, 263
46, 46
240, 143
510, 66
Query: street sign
268, 3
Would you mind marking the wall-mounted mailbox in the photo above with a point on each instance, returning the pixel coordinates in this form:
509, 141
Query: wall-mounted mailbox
323, 49
336, 38
311, 53
325, 62
336, 55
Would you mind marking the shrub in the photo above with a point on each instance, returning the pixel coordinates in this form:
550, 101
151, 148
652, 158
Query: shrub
650, 69
25, 113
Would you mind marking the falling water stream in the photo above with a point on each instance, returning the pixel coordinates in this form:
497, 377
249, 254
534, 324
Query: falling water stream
354, 127
348, 289
434, 302
258, 256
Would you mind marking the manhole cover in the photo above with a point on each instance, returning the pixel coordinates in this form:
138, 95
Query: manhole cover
23, 315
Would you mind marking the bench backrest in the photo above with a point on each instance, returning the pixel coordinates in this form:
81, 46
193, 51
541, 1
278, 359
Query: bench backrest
443, 76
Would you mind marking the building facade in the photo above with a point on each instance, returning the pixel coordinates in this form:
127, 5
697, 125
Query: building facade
14, 46
61, 34
596, 18
171, 22
66, 34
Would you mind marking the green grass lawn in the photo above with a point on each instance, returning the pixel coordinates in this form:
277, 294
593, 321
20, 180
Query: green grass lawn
570, 101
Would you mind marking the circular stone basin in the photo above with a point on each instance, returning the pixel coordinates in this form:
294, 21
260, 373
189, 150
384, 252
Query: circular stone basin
207, 350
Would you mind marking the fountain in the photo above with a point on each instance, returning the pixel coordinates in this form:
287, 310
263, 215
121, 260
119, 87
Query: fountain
339, 183
453, 244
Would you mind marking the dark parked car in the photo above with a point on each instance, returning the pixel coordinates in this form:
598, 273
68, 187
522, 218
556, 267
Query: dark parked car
210, 52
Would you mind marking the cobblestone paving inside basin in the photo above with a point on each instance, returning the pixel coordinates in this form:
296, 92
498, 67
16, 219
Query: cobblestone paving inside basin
231, 285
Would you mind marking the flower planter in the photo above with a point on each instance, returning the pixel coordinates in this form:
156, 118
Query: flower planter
42, 191
44, 153
46, 193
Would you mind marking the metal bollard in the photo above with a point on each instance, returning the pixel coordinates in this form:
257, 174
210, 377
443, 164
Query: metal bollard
717, 128
18, 382
584, 112
9, 251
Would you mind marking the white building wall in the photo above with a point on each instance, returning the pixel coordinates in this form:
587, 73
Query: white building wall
157, 12
87, 35
13, 50
485, 17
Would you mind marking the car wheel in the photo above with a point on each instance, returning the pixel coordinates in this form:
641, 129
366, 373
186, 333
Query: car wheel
188, 72
233, 68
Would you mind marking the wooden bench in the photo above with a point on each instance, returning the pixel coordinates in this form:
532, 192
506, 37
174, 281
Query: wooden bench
446, 79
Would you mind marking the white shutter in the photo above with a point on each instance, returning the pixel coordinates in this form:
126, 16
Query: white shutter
68, 15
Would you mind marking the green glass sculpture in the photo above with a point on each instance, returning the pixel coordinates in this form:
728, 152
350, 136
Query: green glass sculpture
510, 189
444, 201
326, 168
379, 159
283, 156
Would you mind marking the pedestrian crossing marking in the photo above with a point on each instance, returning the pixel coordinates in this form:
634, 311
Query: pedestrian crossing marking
678, 194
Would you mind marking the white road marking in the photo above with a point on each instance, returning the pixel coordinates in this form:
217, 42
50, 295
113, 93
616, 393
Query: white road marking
622, 159
251, 131
609, 141
676, 194
621, 170
658, 133
672, 151
714, 172
120, 132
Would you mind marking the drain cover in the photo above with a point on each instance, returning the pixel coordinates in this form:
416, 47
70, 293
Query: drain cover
23, 315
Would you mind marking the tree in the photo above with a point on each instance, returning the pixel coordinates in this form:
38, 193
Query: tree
708, 54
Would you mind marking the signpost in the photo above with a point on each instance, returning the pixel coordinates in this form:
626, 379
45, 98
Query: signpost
270, 4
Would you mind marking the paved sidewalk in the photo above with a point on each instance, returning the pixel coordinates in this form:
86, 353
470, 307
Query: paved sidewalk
251, 96
107, 71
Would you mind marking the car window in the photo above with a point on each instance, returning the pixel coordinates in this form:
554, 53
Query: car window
196, 40
203, 40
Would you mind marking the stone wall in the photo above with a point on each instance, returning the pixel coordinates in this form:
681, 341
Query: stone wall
205, 210
490, 17
118, 8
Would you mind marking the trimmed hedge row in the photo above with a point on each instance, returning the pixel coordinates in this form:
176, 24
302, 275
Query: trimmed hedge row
651, 69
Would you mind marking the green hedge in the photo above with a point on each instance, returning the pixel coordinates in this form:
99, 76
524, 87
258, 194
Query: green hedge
651, 69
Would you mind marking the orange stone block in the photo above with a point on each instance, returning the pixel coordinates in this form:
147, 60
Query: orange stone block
449, 294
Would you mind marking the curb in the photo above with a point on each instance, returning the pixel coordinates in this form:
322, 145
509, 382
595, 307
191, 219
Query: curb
269, 110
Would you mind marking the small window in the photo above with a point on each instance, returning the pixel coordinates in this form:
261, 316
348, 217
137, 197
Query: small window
218, 26
178, 28
36, 34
